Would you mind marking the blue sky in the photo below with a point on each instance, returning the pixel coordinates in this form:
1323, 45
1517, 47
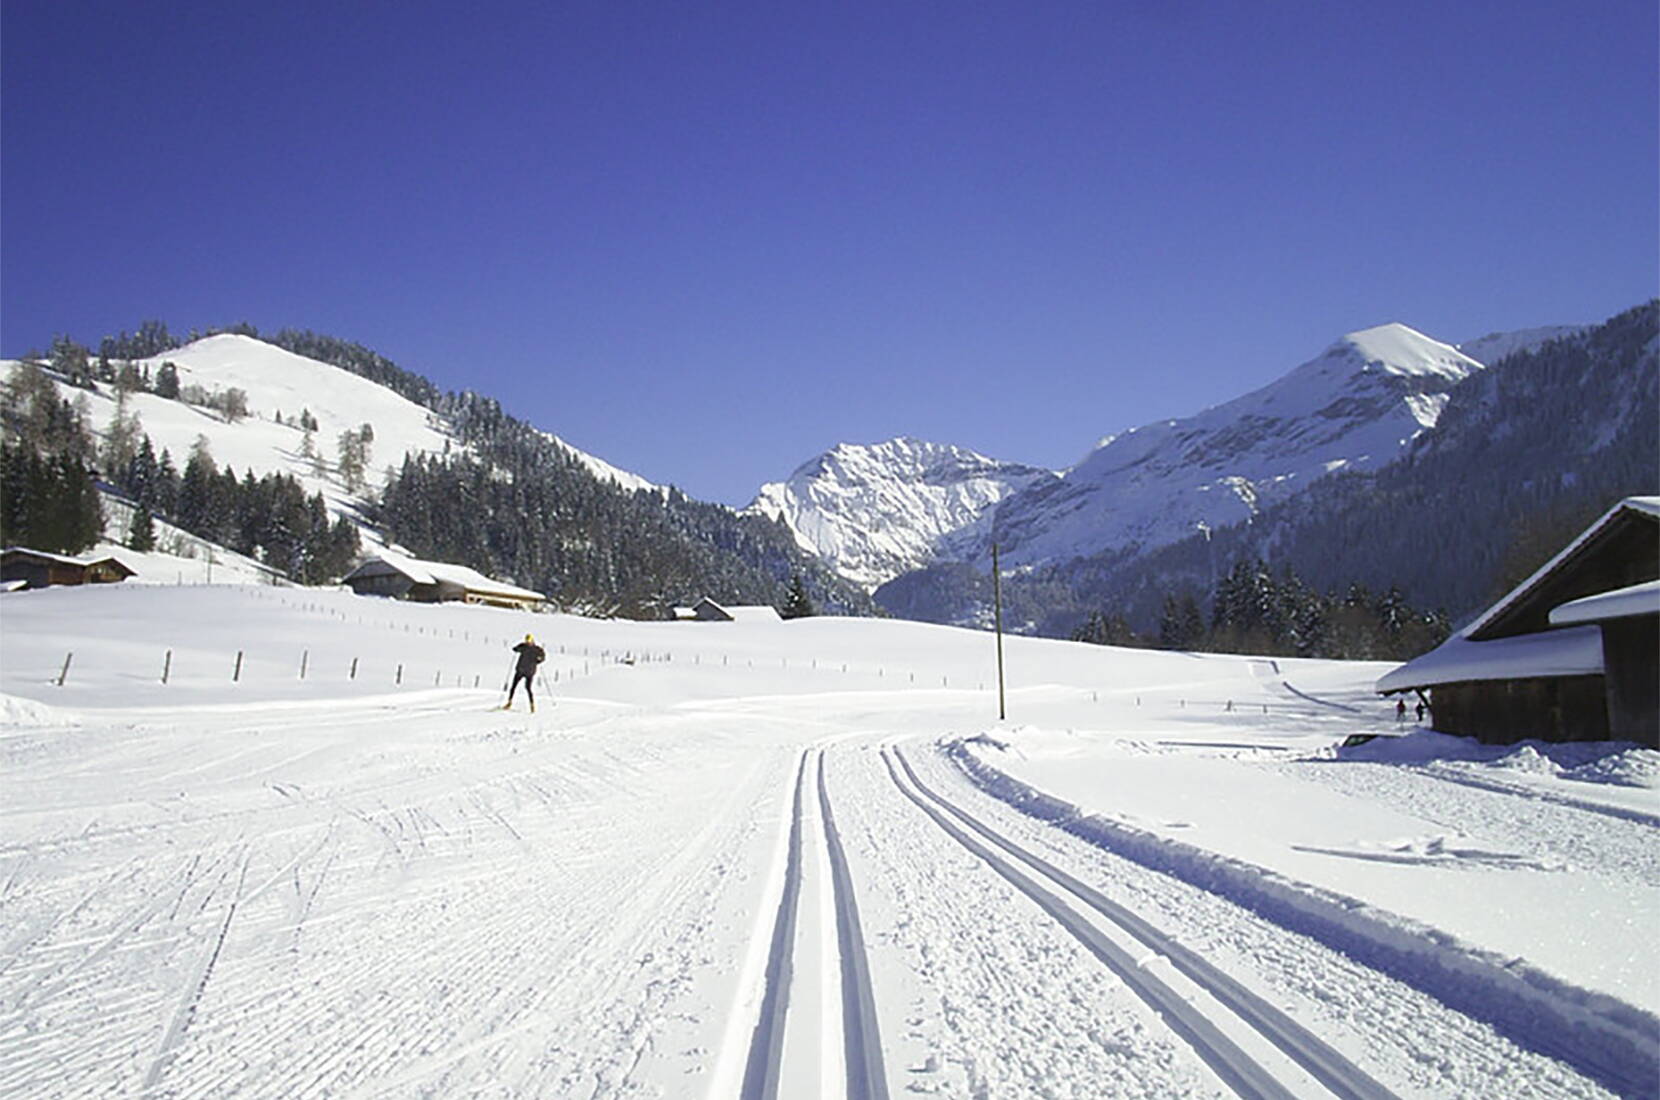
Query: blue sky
706, 242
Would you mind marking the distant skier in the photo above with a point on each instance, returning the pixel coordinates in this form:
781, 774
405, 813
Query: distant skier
1400, 710
530, 655
1420, 712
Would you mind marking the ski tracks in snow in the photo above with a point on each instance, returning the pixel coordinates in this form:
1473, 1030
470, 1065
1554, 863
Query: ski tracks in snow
800, 974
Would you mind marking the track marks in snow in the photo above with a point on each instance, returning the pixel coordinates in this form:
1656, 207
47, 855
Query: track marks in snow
1199, 1001
793, 952
980, 992
1412, 1041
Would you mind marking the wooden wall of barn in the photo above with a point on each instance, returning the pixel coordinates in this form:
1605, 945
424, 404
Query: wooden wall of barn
1497, 712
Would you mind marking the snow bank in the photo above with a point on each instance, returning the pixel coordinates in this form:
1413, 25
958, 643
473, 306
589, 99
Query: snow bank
16, 712
1601, 1035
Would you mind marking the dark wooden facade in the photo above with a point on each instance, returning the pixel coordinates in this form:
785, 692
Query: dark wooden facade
1631, 658
1621, 701
41, 570
1497, 712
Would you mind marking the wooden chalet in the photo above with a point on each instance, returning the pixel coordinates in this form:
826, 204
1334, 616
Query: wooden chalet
41, 569
404, 578
1571, 654
708, 611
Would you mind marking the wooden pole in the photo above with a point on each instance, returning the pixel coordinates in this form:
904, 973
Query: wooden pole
997, 603
236, 676
64, 672
167, 666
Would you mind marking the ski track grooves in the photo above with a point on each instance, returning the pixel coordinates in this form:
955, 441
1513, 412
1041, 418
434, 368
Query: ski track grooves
767, 1046
1188, 1019
866, 1075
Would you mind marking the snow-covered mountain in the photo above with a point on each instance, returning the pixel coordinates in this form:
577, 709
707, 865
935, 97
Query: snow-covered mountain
1494, 346
1357, 405
878, 510
279, 383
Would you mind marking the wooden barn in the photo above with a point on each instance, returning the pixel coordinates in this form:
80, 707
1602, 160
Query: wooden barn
40, 569
708, 611
1571, 654
404, 578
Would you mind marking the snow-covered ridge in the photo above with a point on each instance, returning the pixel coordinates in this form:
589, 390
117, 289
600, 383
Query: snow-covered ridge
877, 510
281, 383
1357, 405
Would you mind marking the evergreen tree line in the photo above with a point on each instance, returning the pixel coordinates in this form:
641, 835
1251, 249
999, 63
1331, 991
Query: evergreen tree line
47, 501
268, 518
49, 489
1255, 610
585, 541
551, 525
48, 496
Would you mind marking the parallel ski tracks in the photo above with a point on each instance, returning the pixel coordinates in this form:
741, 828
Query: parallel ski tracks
1211, 1018
866, 1074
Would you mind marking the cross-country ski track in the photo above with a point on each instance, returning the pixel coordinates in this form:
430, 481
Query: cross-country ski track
787, 861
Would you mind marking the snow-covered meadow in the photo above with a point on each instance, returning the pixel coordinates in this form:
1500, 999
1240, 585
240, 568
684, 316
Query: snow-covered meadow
792, 859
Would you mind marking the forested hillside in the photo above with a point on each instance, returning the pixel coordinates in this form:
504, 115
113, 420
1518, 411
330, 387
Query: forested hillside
1524, 456
508, 499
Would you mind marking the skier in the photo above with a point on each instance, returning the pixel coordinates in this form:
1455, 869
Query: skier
1400, 710
530, 655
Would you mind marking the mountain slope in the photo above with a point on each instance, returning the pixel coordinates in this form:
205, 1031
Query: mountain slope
1523, 455
878, 510
498, 494
1356, 406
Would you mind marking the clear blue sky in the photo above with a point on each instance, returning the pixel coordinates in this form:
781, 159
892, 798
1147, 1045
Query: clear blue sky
707, 241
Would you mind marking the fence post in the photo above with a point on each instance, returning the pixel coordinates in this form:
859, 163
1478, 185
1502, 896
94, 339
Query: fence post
305, 659
354, 669
436, 677
237, 674
399, 680
64, 672
167, 666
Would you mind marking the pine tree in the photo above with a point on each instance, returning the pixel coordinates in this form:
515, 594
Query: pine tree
797, 604
141, 534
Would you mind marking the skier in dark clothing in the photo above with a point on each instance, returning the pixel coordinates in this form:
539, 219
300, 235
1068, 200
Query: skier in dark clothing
530, 655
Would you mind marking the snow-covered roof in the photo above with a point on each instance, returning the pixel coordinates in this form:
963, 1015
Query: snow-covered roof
757, 614
65, 559
62, 559
434, 572
1576, 651
1647, 505
746, 614
1621, 603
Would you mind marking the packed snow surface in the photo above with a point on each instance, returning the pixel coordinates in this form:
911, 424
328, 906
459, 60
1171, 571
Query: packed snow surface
274, 841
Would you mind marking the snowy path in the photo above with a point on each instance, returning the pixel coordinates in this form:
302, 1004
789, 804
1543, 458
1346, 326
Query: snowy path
702, 876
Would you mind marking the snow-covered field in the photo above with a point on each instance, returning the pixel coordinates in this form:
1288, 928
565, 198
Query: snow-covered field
797, 859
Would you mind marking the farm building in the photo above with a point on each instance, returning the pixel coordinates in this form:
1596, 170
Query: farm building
405, 578
708, 611
1571, 654
39, 569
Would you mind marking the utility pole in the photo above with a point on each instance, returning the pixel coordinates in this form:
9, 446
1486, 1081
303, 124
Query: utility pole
997, 603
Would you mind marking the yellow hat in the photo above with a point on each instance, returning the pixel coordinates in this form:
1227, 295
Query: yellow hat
530, 639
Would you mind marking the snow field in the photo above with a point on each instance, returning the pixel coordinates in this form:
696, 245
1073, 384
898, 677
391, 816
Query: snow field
338, 886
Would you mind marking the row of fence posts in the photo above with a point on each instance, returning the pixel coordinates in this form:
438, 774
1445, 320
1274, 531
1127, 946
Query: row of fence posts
438, 676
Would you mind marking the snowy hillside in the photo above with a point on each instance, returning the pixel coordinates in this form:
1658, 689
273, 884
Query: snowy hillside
875, 511
262, 841
279, 382
1356, 406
